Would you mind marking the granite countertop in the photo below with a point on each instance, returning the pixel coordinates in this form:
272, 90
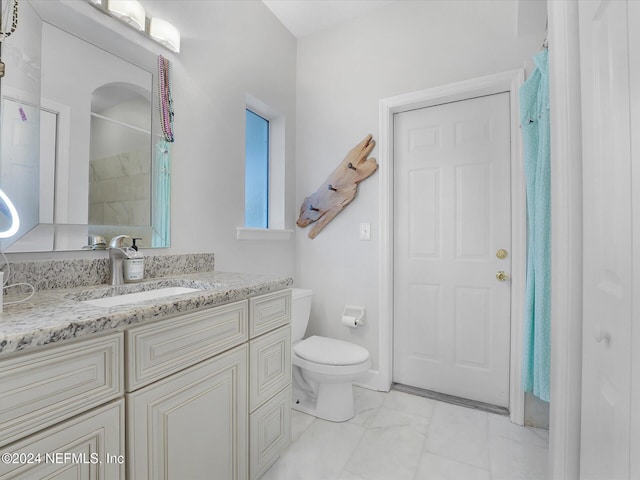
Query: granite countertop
55, 315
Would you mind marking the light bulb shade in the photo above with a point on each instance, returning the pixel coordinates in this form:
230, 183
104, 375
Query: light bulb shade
129, 11
165, 33
13, 216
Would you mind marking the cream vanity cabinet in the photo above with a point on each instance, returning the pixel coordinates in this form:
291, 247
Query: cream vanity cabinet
62, 412
269, 379
186, 405
202, 402
206, 395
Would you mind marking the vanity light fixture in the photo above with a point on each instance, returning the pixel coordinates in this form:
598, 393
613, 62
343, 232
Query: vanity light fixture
165, 33
13, 216
129, 11
132, 13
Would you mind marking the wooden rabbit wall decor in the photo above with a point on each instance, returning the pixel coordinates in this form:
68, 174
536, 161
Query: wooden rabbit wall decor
339, 189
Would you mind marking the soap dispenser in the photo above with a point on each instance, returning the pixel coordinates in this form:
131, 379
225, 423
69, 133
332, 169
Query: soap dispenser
134, 265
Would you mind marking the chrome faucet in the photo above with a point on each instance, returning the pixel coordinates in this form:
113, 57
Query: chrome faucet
117, 254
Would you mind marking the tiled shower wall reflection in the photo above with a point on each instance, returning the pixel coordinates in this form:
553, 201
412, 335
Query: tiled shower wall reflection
120, 189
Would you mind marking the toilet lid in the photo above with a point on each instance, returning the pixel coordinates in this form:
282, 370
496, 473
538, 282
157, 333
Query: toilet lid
329, 351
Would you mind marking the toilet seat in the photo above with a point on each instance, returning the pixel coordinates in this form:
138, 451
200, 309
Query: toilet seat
329, 351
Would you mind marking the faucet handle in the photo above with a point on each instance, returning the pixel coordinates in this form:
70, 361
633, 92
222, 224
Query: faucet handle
118, 241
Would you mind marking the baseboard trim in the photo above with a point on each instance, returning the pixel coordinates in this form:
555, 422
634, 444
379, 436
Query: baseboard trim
371, 381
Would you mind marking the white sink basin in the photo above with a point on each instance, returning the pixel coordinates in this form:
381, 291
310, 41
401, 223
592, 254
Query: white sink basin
128, 298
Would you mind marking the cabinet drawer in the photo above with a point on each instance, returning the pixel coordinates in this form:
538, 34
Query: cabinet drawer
89, 446
270, 365
269, 311
46, 387
160, 349
269, 432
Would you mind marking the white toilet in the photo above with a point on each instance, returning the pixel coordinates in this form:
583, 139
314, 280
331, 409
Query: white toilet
323, 368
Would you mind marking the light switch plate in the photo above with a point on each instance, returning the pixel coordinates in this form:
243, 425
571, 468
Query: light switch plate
365, 231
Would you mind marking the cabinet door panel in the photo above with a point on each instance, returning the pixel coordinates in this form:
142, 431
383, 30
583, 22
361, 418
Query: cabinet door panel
192, 425
270, 432
90, 446
270, 365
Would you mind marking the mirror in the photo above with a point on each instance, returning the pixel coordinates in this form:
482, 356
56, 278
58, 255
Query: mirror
120, 154
99, 166
20, 125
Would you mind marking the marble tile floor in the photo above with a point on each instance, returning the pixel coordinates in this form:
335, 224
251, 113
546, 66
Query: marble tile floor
399, 436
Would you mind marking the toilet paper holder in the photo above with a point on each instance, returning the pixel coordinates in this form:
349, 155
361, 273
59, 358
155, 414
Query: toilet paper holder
353, 316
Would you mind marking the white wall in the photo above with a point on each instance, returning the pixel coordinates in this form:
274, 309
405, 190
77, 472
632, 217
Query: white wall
342, 74
229, 49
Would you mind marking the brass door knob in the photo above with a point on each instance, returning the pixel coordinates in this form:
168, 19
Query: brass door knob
501, 276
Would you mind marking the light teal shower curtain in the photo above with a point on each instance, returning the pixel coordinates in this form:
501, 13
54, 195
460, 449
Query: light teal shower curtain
534, 116
162, 166
161, 195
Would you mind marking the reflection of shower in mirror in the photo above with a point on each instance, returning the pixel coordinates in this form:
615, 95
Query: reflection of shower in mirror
7, 208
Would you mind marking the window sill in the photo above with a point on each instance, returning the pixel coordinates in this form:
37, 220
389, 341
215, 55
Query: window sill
263, 234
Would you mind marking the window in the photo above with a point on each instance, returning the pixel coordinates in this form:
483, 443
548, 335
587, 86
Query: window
264, 210
256, 182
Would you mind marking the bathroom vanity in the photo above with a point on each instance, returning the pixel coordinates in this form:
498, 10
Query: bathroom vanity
189, 386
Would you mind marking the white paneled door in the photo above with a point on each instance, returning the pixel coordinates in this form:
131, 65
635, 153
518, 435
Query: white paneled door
452, 241
608, 167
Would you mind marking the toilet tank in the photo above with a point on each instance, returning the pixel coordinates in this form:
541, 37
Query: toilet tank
300, 311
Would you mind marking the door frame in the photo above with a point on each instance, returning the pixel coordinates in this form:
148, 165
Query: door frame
566, 228
510, 82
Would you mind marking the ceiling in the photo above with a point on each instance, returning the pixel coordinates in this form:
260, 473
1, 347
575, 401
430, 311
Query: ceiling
304, 17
